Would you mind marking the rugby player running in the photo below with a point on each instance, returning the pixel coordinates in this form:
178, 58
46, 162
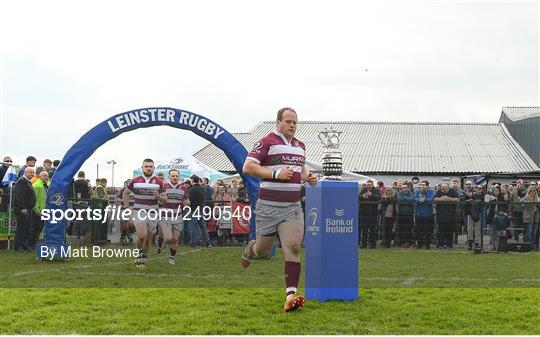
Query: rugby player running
148, 191
278, 159
171, 224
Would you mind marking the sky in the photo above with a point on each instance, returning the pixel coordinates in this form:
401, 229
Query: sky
66, 66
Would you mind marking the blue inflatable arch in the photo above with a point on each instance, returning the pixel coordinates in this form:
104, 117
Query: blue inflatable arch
129, 121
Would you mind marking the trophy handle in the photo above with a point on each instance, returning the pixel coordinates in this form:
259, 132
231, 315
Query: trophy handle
322, 140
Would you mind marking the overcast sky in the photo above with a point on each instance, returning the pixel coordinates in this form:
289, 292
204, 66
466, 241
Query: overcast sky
67, 66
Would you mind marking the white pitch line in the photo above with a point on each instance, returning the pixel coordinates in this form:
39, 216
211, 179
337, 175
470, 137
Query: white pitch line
188, 275
410, 280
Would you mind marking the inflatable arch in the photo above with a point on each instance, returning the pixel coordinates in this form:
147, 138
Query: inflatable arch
129, 121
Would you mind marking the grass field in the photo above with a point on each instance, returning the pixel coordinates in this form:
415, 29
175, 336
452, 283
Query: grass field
207, 292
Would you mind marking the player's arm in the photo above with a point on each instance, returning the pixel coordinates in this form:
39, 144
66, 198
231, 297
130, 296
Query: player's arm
305, 173
252, 168
308, 177
162, 197
125, 197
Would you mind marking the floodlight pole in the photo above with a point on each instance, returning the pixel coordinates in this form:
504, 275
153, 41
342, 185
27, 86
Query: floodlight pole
112, 162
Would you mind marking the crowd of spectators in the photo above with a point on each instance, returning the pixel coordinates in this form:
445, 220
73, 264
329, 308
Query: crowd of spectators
399, 215
405, 216
29, 195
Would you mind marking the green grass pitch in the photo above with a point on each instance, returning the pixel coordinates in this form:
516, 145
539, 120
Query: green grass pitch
208, 292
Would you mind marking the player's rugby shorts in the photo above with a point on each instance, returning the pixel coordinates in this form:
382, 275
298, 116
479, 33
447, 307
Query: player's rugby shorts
268, 217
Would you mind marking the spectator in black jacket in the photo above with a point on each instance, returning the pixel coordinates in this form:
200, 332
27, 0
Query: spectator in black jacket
368, 207
25, 200
496, 203
81, 187
4, 167
476, 203
446, 201
4, 201
197, 197
388, 216
242, 193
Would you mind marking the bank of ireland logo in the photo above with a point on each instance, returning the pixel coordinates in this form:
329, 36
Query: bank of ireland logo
257, 146
312, 217
339, 212
57, 199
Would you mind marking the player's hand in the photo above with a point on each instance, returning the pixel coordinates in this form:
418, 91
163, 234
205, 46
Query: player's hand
312, 179
286, 173
24, 211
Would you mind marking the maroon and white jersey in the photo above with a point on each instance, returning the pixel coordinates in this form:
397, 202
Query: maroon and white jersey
120, 201
274, 151
175, 195
144, 191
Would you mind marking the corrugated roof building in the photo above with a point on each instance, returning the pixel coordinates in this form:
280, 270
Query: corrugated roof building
524, 125
393, 149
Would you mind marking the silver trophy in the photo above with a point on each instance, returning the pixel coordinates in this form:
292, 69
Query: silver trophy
332, 157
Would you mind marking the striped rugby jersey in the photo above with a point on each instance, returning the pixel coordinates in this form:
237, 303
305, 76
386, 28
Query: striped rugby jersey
143, 189
274, 151
175, 195
120, 195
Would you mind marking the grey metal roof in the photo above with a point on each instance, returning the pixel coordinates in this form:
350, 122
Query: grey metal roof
517, 113
394, 147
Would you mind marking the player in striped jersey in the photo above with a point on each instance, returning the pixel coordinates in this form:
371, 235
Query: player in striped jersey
171, 223
158, 233
126, 226
278, 159
148, 191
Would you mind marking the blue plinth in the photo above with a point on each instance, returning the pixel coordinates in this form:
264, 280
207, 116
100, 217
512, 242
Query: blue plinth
331, 241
